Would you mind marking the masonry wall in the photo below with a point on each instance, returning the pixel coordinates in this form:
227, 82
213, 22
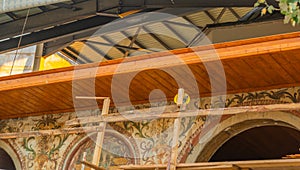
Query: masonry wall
144, 142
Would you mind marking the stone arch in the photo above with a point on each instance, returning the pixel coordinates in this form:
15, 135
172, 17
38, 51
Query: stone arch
230, 127
130, 144
11, 153
260, 143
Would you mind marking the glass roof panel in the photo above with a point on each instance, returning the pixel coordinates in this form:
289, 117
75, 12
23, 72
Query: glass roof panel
23, 13
16, 62
4, 18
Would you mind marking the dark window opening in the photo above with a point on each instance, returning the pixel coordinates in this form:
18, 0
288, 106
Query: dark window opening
5, 161
261, 143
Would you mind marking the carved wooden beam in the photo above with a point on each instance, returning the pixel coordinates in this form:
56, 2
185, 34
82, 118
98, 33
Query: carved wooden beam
76, 130
144, 114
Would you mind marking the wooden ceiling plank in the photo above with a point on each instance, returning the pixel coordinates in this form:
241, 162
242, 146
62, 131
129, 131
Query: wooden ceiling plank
250, 73
233, 81
68, 93
264, 63
291, 55
270, 66
120, 91
165, 79
287, 65
15, 112
294, 61
141, 82
52, 96
13, 98
253, 64
252, 57
82, 87
243, 75
169, 82
204, 85
280, 69
86, 87
103, 87
159, 80
109, 83
150, 79
186, 79
202, 78
91, 89
7, 110
43, 97
146, 62
35, 102
216, 76
99, 86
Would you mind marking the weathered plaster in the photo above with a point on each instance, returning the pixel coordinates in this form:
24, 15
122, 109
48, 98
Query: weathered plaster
149, 140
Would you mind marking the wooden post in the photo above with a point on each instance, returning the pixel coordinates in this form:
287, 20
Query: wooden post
100, 135
83, 159
38, 56
174, 152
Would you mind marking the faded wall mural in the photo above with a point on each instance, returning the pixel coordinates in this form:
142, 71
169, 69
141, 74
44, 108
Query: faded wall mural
143, 142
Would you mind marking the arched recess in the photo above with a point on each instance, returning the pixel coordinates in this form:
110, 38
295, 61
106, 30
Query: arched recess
234, 125
260, 143
8, 151
118, 149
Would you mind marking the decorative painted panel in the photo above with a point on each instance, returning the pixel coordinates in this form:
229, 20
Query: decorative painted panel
142, 142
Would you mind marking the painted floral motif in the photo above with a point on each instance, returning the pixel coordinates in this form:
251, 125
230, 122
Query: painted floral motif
264, 98
291, 95
43, 152
153, 138
6, 126
116, 151
47, 122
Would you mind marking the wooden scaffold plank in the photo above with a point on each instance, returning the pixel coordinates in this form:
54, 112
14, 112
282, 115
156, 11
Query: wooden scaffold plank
139, 115
53, 132
233, 165
143, 115
100, 135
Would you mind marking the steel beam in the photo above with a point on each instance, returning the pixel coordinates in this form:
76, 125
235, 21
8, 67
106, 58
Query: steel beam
233, 32
234, 13
54, 33
125, 5
166, 46
112, 44
67, 6
190, 3
47, 19
12, 15
69, 32
100, 52
72, 57
131, 38
80, 55
120, 46
89, 8
56, 45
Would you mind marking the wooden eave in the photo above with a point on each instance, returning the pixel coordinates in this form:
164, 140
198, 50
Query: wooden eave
249, 65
